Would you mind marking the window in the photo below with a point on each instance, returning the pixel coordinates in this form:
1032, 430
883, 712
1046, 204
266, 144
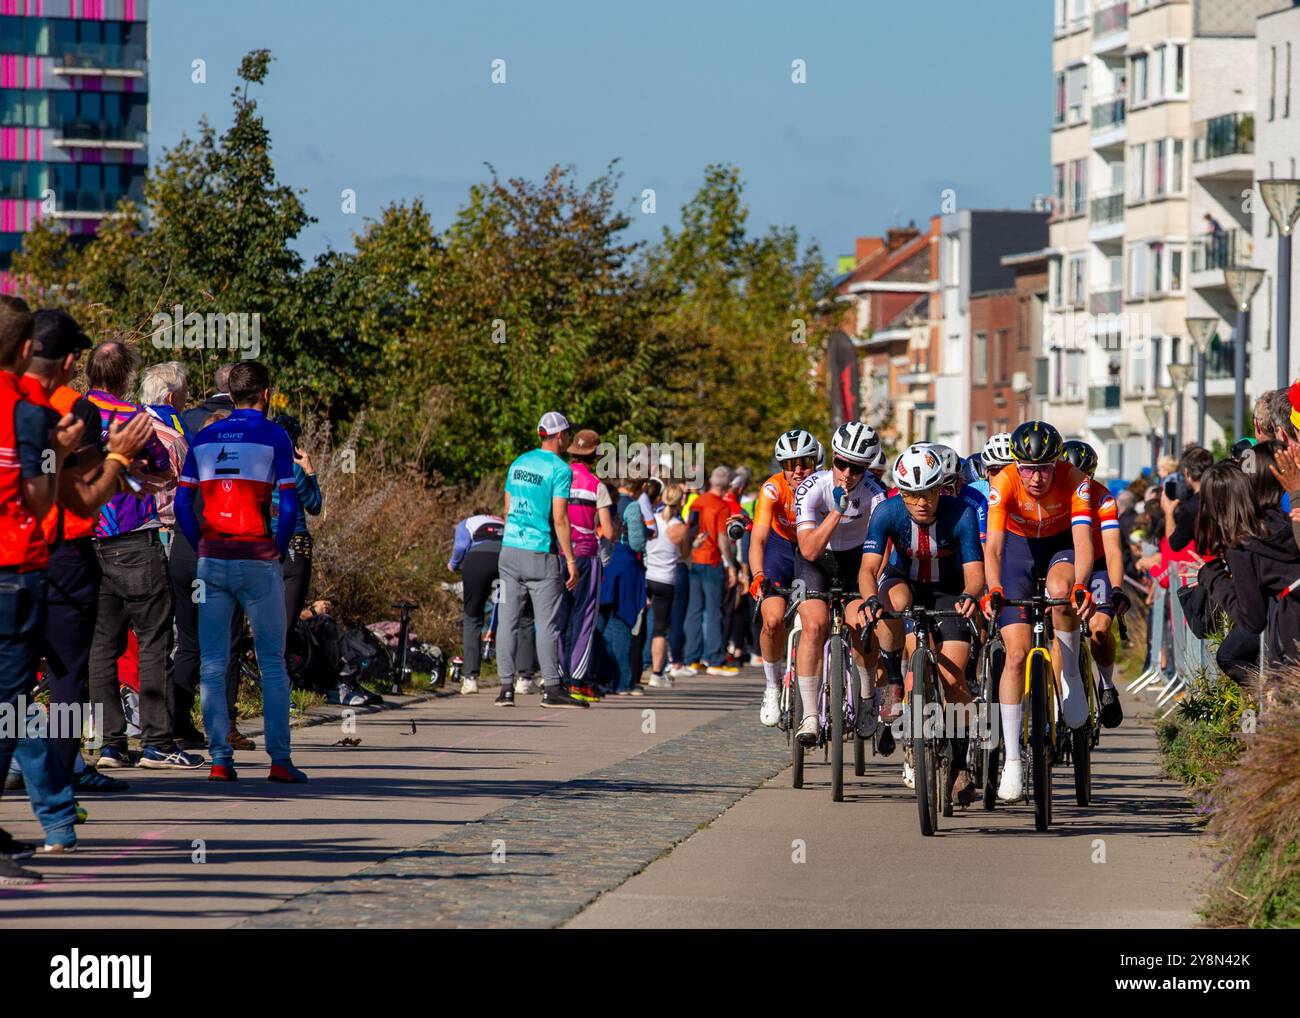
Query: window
1160, 184
1157, 251
1056, 275
1162, 72
1058, 108
1137, 172
1180, 69
1058, 189
1141, 86
1076, 293
1137, 270
1176, 178
980, 359
1176, 270
1001, 356
1073, 376
1137, 369
1078, 186
1076, 93
1060, 16
979, 434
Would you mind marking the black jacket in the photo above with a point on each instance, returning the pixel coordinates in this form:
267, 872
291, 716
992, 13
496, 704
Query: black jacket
1185, 522
195, 416
1262, 569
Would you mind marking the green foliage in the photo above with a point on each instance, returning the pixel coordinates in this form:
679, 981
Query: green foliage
1204, 737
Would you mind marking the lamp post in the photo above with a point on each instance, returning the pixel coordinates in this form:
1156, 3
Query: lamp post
1202, 331
1166, 394
1121, 432
1180, 375
1155, 417
1242, 282
1283, 200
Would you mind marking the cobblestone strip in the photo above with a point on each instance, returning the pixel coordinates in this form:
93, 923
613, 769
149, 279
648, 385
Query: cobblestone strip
539, 861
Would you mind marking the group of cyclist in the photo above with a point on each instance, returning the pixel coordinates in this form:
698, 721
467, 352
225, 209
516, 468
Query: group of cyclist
936, 532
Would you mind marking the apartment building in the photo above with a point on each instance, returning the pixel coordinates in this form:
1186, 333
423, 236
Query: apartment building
1152, 111
74, 113
977, 308
1277, 149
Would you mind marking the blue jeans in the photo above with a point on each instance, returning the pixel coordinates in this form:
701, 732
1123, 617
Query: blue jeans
704, 615
618, 641
677, 624
257, 587
22, 622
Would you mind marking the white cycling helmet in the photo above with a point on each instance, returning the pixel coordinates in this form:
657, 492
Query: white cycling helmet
855, 441
950, 460
918, 468
997, 451
880, 464
796, 443
821, 455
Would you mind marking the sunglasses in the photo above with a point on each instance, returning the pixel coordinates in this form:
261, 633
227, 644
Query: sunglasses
852, 468
920, 497
1041, 469
799, 463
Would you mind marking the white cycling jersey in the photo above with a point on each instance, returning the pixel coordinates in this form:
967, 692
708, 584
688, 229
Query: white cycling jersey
814, 500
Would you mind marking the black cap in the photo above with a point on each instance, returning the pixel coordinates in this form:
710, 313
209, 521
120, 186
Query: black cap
56, 334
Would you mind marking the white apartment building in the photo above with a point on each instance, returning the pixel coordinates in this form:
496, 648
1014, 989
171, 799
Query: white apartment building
1277, 147
1134, 83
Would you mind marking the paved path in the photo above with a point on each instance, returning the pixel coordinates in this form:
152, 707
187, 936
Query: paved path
488, 817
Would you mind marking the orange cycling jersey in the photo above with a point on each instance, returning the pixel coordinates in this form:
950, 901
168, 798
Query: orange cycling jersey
1067, 502
1105, 514
776, 507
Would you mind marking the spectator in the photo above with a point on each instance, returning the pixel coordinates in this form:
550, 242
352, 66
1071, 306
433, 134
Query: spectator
623, 594
1284, 428
297, 563
239, 560
590, 519
538, 485
475, 554
134, 591
1262, 417
664, 553
712, 569
27, 492
163, 392
87, 482
1180, 514
218, 402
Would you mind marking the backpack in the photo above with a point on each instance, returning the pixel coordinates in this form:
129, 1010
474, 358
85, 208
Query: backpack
366, 655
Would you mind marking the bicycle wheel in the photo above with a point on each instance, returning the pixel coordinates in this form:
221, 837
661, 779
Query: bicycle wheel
859, 743
924, 758
1040, 739
837, 719
990, 747
1082, 739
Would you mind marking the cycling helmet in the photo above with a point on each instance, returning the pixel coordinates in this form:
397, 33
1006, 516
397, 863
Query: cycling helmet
951, 462
796, 443
821, 455
972, 469
856, 442
1036, 442
918, 468
880, 464
997, 451
1081, 454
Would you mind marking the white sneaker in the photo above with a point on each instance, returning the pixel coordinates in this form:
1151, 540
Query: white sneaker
525, 687
755, 660
770, 713
1012, 786
660, 682
909, 776
683, 671
807, 733
469, 685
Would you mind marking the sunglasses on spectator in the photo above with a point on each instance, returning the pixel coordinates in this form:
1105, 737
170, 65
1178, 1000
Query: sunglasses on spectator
1042, 469
799, 463
852, 468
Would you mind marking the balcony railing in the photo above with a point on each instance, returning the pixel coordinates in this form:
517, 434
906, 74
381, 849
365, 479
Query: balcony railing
1229, 135
1109, 113
1107, 208
1112, 19
109, 57
1105, 302
1227, 247
1219, 359
1103, 397
95, 201
97, 130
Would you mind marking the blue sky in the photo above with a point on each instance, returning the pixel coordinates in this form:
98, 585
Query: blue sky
394, 98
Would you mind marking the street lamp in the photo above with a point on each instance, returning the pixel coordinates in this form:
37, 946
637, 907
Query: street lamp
1155, 417
1202, 331
1242, 282
1283, 200
1166, 394
1121, 432
1180, 375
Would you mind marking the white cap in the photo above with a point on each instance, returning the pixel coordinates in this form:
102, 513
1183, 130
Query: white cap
552, 423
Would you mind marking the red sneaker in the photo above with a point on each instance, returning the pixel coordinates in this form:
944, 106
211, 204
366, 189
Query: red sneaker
286, 774
222, 772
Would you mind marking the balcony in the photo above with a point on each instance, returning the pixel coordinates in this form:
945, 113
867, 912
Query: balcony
97, 134
125, 61
1219, 360
1108, 113
1110, 19
1103, 397
1105, 302
1211, 255
1107, 208
92, 204
1223, 148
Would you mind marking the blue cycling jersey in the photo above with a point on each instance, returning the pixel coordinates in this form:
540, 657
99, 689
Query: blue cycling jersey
979, 501
933, 554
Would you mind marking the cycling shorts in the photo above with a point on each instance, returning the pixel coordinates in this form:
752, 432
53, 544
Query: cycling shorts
817, 576
1099, 585
778, 563
932, 597
1025, 561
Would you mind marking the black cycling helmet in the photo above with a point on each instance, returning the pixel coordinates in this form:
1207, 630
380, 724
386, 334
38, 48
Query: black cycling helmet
1036, 442
1081, 454
291, 424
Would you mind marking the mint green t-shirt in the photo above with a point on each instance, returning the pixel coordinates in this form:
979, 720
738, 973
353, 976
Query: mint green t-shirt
532, 481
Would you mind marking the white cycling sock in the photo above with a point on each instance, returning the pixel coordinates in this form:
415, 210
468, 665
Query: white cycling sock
772, 673
1107, 673
1074, 697
1013, 716
809, 685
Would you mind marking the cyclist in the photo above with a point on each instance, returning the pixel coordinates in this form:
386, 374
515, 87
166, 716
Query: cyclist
771, 556
1107, 583
879, 465
833, 509
1039, 527
996, 455
936, 563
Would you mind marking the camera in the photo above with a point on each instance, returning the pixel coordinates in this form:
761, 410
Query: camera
1177, 488
736, 529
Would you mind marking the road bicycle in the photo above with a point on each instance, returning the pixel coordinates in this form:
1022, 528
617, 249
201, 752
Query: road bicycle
935, 753
1076, 748
986, 757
